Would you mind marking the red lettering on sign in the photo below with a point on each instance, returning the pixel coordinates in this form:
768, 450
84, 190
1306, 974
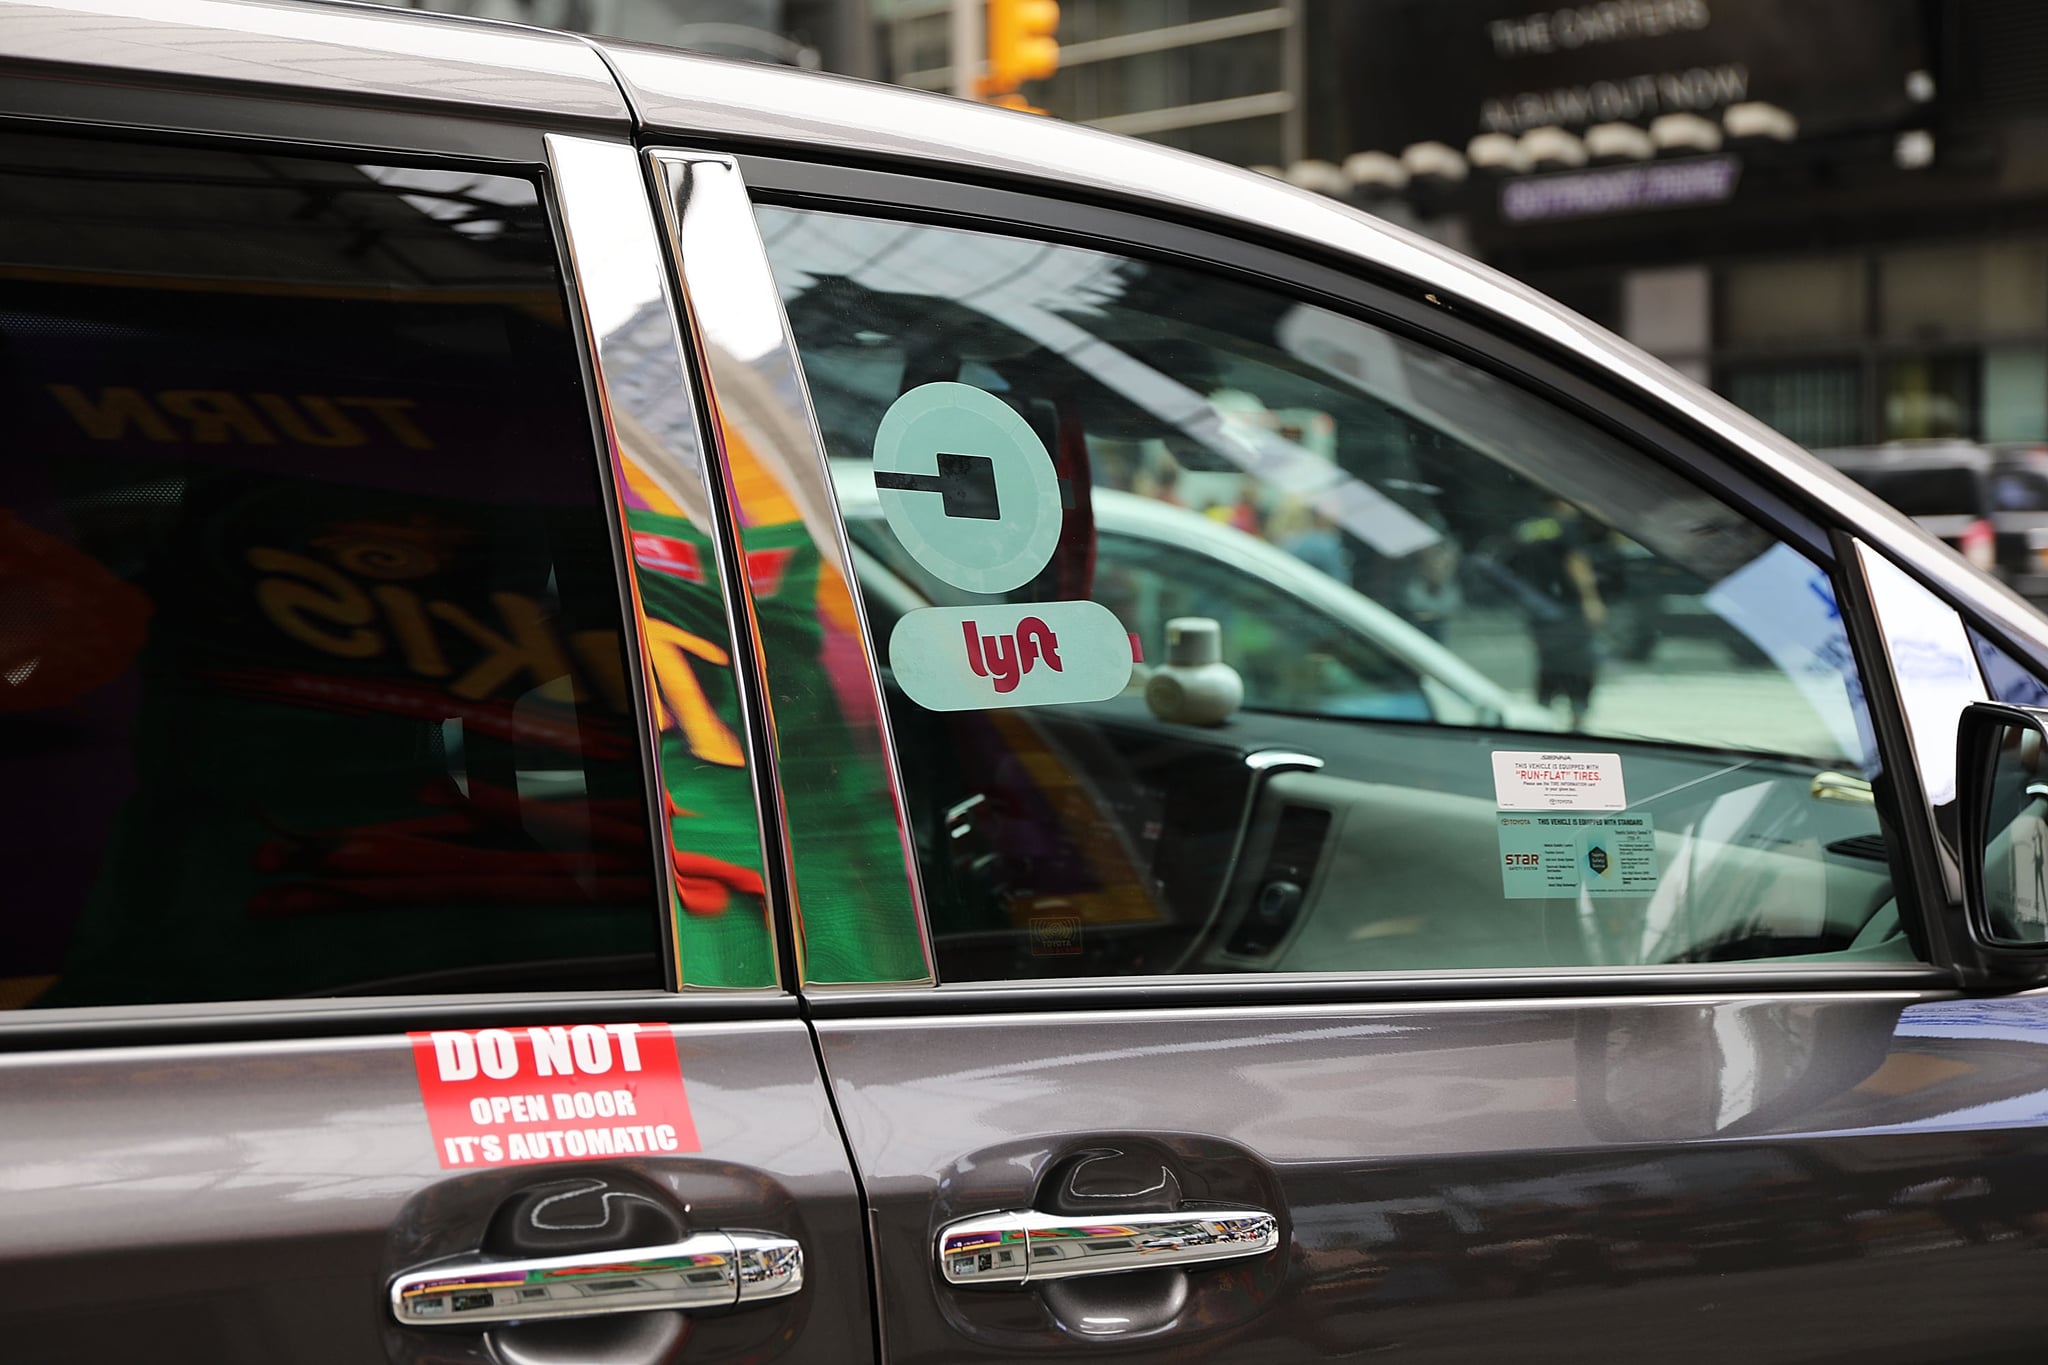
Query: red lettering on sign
575, 1092
1007, 658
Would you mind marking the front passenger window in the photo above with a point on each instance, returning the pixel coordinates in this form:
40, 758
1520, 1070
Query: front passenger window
1223, 631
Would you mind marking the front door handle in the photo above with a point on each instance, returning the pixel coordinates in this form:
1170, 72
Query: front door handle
707, 1270
1028, 1246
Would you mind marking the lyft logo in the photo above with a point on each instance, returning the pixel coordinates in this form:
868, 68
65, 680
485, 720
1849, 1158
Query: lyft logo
1007, 658
1085, 649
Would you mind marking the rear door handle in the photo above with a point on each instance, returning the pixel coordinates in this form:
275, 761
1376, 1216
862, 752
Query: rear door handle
707, 1270
1028, 1246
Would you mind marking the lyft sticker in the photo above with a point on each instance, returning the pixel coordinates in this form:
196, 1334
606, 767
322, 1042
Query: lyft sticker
1015, 654
514, 1097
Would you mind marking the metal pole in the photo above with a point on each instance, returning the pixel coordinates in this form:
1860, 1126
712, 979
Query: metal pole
1294, 80
966, 48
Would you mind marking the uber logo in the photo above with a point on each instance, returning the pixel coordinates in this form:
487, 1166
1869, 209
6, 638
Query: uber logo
968, 487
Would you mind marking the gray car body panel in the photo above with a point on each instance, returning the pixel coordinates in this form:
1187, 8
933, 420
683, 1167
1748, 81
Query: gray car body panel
248, 1202
1705, 1179
329, 53
244, 1200
393, 82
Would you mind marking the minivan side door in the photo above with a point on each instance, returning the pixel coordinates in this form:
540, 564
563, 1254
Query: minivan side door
387, 968
1594, 1006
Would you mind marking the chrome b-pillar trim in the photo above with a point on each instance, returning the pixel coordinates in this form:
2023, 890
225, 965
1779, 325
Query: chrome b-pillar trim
683, 619
848, 851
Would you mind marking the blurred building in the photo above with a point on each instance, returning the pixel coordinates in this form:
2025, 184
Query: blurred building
1224, 78
1834, 211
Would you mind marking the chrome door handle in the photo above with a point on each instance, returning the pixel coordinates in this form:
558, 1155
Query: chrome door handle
1028, 1246
708, 1270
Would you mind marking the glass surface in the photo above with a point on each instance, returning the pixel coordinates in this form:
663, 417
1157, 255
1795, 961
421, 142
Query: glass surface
311, 675
1819, 404
1988, 288
2015, 393
1768, 302
1929, 396
1198, 74
1085, 20
1428, 589
2016, 838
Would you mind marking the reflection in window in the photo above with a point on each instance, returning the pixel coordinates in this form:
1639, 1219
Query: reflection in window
1411, 566
311, 673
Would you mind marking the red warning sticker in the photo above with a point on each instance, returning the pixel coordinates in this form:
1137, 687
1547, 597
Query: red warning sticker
578, 1092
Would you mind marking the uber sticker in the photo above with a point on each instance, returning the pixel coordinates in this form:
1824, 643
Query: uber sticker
1539, 781
1545, 856
512, 1097
967, 487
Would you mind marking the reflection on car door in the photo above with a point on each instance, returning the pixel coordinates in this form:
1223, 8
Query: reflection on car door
1784, 1178
254, 1201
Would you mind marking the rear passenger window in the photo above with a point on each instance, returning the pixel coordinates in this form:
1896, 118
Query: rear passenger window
1225, 632
311, 667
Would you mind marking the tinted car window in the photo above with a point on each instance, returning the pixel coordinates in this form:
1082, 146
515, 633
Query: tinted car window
311, 673
1435, 592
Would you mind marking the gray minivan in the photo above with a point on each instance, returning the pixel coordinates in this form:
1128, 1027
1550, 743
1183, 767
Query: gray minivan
495, 875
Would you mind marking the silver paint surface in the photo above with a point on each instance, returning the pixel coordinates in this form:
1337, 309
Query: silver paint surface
231, 1203
330, 53
1826, 1177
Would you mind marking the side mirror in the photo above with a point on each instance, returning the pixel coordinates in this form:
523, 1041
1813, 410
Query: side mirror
2002, 815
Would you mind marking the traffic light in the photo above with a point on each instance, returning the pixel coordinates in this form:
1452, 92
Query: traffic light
1021, 45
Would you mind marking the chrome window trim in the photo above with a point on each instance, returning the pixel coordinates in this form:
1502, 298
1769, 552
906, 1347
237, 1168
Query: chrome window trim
747, 358
647, 400
1299, 995
98, 1026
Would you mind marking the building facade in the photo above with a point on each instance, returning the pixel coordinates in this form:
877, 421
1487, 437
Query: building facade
1834, 211
1224, 78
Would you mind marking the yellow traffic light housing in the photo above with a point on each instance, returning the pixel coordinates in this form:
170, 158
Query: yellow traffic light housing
1021, 45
